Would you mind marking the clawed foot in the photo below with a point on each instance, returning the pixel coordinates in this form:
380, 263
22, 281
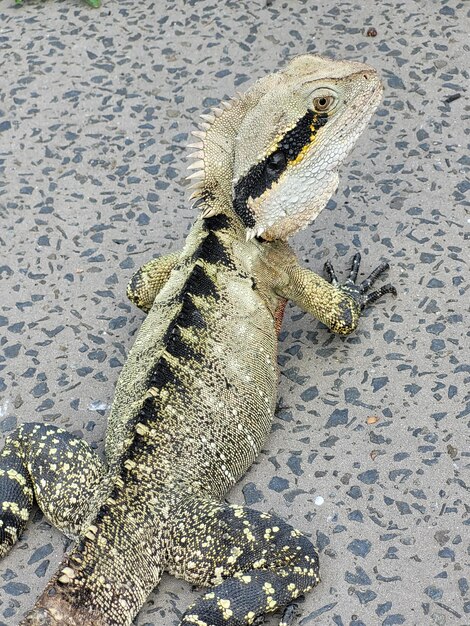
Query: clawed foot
360, 293
289, 613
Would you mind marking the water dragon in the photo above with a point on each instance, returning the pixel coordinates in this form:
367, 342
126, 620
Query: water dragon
196, 397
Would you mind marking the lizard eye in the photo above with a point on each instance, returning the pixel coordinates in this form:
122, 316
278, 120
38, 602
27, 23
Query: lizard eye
323, 103
275, 164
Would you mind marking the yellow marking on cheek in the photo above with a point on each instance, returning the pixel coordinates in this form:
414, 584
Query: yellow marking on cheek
302, 153
304, 150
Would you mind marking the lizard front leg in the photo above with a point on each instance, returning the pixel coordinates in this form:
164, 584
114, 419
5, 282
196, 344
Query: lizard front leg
149, 279
337, 305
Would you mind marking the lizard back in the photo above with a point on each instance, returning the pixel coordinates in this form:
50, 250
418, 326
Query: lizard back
184, 386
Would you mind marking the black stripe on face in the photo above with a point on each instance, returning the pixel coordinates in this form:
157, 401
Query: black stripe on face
262, 175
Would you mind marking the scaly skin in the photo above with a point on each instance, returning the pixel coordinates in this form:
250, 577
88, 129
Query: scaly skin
195, 399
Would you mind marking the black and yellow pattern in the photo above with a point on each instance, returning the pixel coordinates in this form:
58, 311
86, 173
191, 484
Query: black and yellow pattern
46, 464
254, 562
179, 439
287, 152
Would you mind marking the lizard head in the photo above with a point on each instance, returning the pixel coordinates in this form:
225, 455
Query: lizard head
283, 141
291, 143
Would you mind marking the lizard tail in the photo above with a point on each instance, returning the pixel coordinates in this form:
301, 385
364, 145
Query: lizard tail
59, 612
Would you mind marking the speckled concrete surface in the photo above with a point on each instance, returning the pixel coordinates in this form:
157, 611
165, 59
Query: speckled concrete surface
370, 450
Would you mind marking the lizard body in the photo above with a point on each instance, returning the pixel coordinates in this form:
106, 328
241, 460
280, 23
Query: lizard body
195, 399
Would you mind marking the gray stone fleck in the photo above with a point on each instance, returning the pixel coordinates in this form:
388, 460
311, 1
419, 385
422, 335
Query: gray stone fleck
360, 547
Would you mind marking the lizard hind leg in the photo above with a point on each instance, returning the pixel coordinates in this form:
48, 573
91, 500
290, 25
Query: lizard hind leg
255, 562
45, 464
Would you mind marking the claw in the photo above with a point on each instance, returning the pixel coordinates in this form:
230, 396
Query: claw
330, 272
370, 280
355, 263
289, 614
375, 295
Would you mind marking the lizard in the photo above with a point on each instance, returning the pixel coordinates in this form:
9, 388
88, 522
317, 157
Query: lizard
195, 400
